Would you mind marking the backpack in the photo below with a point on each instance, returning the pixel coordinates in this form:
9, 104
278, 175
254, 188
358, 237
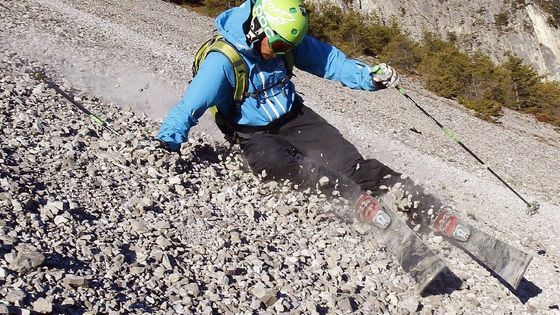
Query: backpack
241, 88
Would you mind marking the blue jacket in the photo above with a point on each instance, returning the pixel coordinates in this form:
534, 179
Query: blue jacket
214, 82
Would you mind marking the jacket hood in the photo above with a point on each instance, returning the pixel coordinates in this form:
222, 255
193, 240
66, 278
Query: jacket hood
230, 25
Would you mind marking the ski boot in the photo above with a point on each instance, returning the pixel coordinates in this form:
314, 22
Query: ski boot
371, 211
448, 223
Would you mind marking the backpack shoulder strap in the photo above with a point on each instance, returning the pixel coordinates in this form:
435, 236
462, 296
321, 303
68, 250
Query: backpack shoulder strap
289, 62
219, 44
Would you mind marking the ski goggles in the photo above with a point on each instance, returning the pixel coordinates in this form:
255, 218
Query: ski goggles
279, 45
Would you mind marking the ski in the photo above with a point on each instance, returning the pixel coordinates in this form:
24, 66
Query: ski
415, 257
506, 261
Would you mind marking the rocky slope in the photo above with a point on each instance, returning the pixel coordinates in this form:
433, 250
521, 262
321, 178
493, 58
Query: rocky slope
494, 27
91, 222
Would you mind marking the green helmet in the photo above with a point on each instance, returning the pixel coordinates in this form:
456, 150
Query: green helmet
286, 18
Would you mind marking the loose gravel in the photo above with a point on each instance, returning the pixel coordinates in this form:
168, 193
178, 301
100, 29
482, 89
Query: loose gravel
102, 223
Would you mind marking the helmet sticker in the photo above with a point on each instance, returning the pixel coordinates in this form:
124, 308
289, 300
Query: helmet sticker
263, 21
276, 16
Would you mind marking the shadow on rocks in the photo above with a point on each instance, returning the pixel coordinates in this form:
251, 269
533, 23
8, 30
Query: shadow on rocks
5, 248
199, 153
129, 255
67, 309
142, 305
259, 216
526, 290
80, 214
155, 209
322, 310
215, 154
36, 186
57, 261
207, 153
445, 283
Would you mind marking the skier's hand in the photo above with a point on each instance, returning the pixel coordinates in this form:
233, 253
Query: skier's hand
384, 76
171, 147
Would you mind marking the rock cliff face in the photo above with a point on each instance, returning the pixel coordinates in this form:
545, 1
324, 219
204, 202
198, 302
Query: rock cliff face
494, 27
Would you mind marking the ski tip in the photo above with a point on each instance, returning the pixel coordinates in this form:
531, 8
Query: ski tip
514, 278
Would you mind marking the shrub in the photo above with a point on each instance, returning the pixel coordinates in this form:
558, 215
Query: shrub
524, 82
545, 101
352, 32
214, 7
402, 53
443, 68
487, 81
484, 108
501, 20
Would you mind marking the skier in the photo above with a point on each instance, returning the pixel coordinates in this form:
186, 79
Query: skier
278, 135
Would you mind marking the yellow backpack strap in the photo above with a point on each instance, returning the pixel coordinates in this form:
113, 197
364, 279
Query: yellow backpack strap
219, 44
202, 52
239, 69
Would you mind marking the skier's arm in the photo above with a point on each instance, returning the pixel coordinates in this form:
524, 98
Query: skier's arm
327, 61
211, 85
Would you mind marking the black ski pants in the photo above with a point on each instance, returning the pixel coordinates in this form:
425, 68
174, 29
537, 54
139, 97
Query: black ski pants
306, 148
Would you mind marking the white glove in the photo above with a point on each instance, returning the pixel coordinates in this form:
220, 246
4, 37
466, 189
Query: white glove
384, 76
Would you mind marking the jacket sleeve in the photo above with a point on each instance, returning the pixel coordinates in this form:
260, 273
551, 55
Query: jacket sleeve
213, 84
327, 61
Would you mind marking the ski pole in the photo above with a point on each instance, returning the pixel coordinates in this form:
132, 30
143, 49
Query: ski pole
532, 208
39, 74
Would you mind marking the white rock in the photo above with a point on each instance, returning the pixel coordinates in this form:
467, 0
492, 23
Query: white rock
41, 305
60, 220
437, 239
174, 180
27, 261
192, 289
16, 205
74, 280
410, 303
